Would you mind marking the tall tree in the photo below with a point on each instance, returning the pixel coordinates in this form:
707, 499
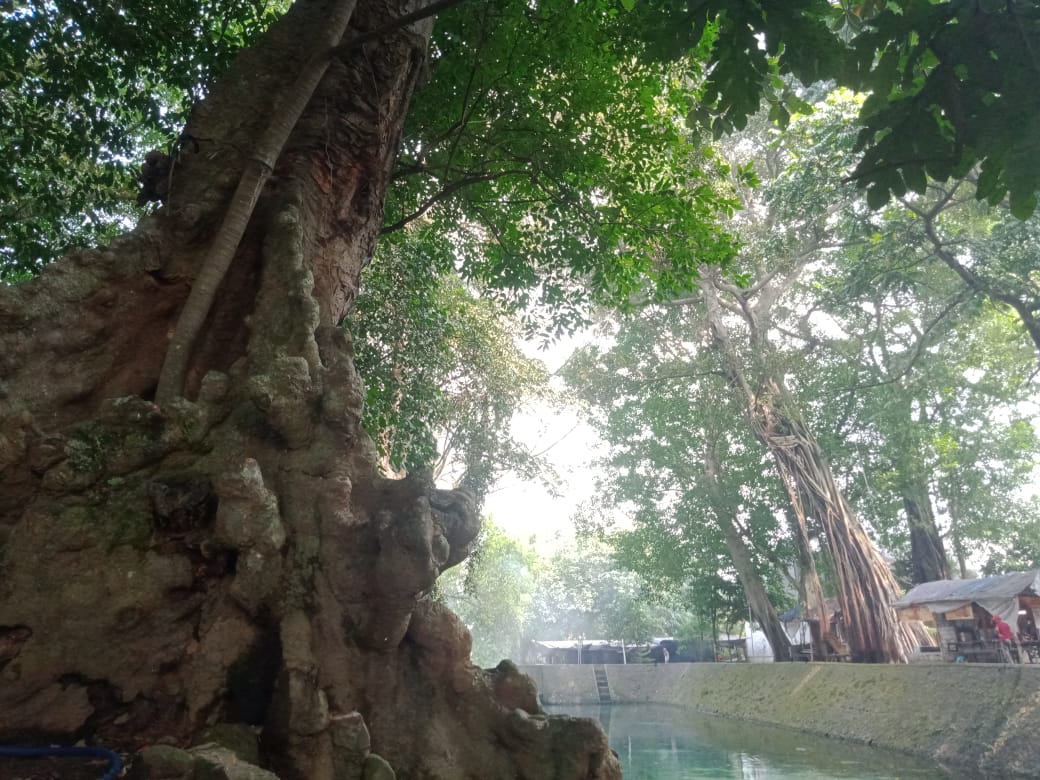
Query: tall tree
902, 321
866, 585
693, 487
797, 224
796, 221
242, 545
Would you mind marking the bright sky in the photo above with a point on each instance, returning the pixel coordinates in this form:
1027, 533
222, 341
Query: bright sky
526, 510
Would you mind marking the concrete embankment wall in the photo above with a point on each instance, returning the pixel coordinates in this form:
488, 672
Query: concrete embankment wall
983, 718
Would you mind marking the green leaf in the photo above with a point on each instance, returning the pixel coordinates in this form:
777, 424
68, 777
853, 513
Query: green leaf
915, 179
877, 196
989, 178
1022, 205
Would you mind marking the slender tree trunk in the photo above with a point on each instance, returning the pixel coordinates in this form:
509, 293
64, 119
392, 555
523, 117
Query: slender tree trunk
955, 538
758, 598
237, 557
927, 556
754, 589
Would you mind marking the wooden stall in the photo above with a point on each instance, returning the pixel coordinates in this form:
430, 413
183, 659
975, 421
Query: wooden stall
963, 611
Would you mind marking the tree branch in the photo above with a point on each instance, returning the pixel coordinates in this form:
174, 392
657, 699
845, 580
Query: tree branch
974, 282
919, 347
446, 192
417, 15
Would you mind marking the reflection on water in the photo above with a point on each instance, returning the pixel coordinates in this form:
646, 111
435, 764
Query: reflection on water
657, 742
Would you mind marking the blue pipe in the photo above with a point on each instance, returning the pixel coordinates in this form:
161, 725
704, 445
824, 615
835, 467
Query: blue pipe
115, 763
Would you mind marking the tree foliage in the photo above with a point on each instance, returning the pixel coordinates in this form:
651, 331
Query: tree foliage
648, 398
927, 394
443, 374
549, 127
921, 349
556, 158
950, 83
951, 87
878, 341
85, 90
492, 591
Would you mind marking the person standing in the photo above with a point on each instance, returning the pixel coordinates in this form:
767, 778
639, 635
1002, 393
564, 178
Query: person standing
1005, 636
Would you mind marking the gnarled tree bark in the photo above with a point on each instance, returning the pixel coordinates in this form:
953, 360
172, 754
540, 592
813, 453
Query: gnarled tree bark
234, 555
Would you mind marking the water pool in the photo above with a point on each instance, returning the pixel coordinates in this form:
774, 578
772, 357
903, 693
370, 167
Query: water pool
657, 742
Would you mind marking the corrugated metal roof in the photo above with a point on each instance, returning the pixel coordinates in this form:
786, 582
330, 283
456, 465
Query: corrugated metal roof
1003, 586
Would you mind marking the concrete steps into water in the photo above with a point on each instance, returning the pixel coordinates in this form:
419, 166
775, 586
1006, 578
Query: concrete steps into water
602, 685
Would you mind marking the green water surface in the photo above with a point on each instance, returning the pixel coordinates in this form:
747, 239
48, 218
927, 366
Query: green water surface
657, 742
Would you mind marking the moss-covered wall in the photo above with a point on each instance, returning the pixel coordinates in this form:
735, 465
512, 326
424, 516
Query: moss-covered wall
983, 718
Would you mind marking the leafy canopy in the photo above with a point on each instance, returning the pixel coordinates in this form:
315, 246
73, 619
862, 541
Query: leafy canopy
909, 375
85, 89
549, 134
951, 84
555, 155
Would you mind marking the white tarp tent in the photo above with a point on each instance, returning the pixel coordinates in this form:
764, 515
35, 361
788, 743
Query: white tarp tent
759, 650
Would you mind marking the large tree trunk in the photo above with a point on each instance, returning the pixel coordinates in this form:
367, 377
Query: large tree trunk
927, 555
754, 590
866, 587
237, 557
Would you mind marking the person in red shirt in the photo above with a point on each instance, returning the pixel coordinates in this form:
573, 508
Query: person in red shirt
1005, 635
1004, 632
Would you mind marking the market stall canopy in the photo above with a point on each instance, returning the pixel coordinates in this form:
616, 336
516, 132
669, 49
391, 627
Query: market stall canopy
997, 595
